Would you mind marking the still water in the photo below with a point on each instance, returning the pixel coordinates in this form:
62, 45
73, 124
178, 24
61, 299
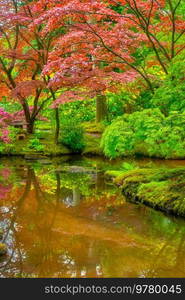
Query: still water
65, 218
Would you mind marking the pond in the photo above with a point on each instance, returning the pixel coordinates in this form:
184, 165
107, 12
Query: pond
64, 218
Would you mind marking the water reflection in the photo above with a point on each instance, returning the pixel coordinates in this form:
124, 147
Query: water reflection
66, 219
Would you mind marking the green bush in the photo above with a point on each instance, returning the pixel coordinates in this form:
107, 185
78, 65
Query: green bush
72, 136
120, 103
146, 133
170, 96
115, 105
35, 144
82, 111
126, 102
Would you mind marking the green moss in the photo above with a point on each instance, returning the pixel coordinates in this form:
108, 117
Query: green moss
163, 188
113, 173
154, 192
137, 175
165, 195
3, 249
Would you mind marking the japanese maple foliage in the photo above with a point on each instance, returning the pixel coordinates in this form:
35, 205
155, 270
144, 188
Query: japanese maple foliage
80, 60
101, 43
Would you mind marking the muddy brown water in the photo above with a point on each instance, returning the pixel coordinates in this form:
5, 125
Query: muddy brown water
65, 218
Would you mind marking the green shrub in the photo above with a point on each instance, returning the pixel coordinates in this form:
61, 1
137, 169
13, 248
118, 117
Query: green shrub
35, 144
115, 105
146, 133
120, 103
72, 136
82, 111
170, 96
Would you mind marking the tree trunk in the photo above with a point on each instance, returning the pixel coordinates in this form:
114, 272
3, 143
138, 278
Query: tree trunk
57, 124
29, 121
101, 108
57, 119
30, 127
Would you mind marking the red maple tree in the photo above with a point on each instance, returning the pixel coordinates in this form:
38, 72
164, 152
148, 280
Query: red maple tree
84, 47
101, 40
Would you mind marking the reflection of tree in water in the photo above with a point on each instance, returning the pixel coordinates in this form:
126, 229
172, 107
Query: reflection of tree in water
48, 237
70, 197
76, 185
17, 253
43, 250
11, 232
169, 260
168, 235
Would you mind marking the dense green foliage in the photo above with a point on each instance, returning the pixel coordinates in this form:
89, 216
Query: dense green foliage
147, 133
72, 136
170, 95
82, 111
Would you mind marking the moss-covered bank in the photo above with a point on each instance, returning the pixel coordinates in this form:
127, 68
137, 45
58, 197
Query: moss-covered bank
163, 188
47, 147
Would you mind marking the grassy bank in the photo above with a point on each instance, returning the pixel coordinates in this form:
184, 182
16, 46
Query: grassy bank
45, 146
162, 189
